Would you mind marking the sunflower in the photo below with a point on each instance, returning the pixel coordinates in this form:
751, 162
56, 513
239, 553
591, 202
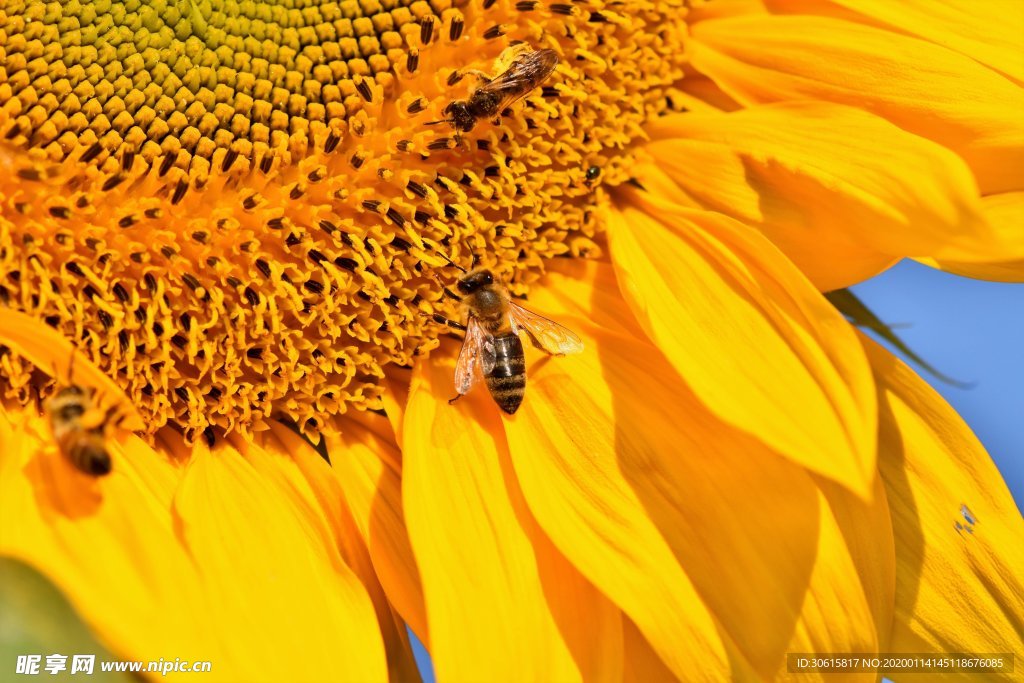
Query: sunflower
232, 215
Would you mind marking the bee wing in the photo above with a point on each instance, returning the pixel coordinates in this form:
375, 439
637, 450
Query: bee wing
525, 74
476, 357
545, 334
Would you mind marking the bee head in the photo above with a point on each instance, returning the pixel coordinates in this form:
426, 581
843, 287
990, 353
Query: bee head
70, 390
474, 281
460, 117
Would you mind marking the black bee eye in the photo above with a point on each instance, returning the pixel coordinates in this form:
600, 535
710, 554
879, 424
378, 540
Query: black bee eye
593, 172
487, 279
466, 287
70, 412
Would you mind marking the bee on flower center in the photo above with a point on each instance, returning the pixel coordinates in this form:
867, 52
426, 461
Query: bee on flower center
528, 69
492, 349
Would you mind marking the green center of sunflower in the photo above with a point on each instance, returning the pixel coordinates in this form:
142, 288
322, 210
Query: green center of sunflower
236, 210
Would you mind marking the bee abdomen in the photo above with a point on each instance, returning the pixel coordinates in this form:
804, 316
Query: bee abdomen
90, 457
507, 379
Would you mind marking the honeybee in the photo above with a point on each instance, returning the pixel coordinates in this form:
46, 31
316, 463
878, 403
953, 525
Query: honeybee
527, 70
492, 348
79, 427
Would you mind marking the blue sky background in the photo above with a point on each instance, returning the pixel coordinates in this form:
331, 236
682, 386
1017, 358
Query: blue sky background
970, 330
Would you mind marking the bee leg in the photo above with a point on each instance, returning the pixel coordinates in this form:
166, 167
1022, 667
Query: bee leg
449, 293
116, 416
455, 398
39, 398
113, 416
438, 318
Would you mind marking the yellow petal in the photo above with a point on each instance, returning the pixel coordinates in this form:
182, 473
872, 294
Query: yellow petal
810, 176
314, 476
588, 622
364, 468
1005, 213
921, 87
274, 583
497, 598
730, 8
108, 544
643, 665
672, 513
850, 594
989, 32
749, 335
698, 93
958, 582
396, 395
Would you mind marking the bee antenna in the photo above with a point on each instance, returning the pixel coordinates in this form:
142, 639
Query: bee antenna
71, 369
435, 249
447, 292
434, 123
450, 262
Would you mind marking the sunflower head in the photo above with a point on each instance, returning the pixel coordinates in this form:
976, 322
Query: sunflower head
237, 211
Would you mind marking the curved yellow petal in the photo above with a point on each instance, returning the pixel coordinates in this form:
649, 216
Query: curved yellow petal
729, 8
809, 175
396, 394
749, 334
673, 514
991, 33
314, 476
921, 87
851, 592
1005, 213
248, 578
498, 596
958, 532
363, 457
274, 581
1009, 271
590, 624
643, 665
699, 94
108, 544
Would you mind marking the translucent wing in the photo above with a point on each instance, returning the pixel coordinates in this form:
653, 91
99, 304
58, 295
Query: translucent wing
476, 357
545, 334
522, 76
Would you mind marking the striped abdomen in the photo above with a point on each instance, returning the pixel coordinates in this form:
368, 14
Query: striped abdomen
507, 379
87, 452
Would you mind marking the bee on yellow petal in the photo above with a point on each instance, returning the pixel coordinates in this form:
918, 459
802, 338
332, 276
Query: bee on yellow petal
80, 427
492, 348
